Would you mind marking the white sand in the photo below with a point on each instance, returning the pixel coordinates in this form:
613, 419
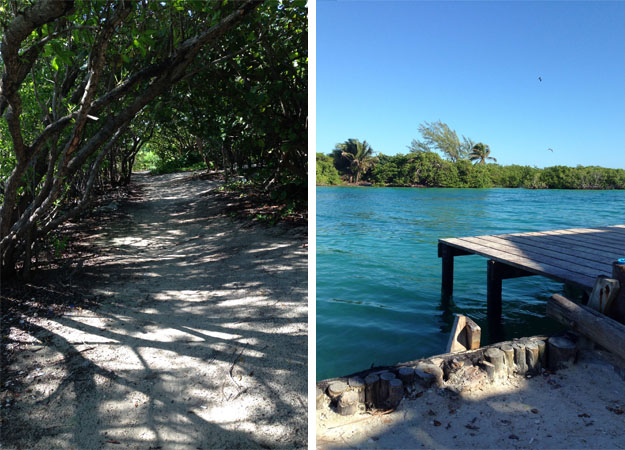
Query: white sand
579, 407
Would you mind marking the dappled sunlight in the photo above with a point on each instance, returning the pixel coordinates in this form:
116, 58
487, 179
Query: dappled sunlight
216, 334
201, 337
132, 241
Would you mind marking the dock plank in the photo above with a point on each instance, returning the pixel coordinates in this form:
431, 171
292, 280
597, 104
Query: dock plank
609, 241
550, 264
521, 262
566, 247
560, 254
574, 255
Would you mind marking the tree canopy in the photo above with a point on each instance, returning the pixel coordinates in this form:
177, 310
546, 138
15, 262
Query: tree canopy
438, 136
87, 83
353, 156
480, 153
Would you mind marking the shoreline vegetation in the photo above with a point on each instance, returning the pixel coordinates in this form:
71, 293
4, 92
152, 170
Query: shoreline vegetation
428, 169
464, 164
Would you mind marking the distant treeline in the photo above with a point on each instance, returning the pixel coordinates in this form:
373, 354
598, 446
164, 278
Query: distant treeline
428, 169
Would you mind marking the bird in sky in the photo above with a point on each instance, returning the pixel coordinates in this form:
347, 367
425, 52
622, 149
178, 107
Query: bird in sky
550, 149
540, 79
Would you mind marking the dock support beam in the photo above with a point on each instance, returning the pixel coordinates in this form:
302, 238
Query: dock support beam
496, 272
447, 254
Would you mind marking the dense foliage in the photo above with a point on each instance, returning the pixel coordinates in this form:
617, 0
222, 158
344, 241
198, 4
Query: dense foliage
326, 172
442, 159
353, 157
438, 136
430, 170
91, 87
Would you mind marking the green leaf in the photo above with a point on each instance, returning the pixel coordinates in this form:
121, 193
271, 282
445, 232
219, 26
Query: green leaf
55, 66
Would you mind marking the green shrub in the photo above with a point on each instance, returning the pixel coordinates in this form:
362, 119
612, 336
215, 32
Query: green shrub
325, 170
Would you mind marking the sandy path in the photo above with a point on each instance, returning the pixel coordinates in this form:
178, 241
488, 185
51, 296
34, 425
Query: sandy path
200, 342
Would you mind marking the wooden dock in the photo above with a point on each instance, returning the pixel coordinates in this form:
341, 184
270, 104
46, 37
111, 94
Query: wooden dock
575, 256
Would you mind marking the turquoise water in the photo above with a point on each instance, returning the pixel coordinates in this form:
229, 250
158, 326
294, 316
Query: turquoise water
378, 274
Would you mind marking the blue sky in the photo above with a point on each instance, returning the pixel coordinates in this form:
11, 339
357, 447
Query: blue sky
384, 67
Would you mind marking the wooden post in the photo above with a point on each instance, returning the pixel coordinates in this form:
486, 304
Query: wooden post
532, 357
427, 373
519, 358
603, 294
357, 384
371, 389
347, 403
490, 370
493, 290
496, 272
395, 394
406, 375
336, 388
508, 353
496, 357
562, 352
618, 305
542, 352
384, 390
474, 334
447, 279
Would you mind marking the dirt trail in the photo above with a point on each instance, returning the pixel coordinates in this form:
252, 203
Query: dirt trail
200, 342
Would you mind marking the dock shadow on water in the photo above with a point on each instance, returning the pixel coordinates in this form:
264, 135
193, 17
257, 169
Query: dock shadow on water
200, 340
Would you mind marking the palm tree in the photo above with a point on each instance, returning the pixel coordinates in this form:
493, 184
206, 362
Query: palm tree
355, 156
480, 153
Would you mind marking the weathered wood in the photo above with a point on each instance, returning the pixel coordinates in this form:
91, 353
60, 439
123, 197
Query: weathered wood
474, 334
347, 404
425, 379
490, 370
458, 337
432, 370
465, 335
532, 357
542, 352
357, 384
561, 353
555, 246
336, 388
604, 331
617, 311
519, 358
508, 357
496, 357
559, 272
371, 389
538, 253
603, 294
396, 393
406, 375
575, 256
384, 388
